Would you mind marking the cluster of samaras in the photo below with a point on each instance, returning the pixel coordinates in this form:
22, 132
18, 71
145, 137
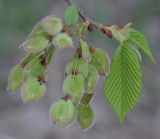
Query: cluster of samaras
81, 72
122, 86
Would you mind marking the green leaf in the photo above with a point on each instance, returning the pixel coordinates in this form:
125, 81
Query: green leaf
71, 15
138, 53
123, 85
139, 39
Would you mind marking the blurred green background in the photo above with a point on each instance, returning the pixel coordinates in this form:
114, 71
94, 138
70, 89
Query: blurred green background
30, 121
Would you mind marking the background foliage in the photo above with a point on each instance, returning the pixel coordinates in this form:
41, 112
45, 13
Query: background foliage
21, 121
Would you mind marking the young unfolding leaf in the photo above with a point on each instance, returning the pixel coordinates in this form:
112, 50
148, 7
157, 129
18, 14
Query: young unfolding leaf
62, 40
116, 32
51, 24
101, 61
77, 66
35, 45
15, 79
74, 86
139, 39
126, 27
71, 15
123, 85
62, 113
85, 50
32, 90
86, 116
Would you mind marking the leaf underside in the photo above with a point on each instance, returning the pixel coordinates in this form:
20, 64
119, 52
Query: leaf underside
123, 85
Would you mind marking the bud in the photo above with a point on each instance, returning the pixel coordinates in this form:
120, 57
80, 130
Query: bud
52, 24
15, 79
74, 86
101, 61
85, 50
91, 79
62, 40
34, 45
32, 90
86, 116
77, 66
62, 113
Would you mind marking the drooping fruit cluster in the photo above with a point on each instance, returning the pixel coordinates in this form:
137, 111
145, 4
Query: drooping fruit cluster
40, 45
82, 74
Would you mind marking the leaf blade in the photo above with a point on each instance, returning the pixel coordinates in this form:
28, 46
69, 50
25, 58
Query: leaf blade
123, 85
